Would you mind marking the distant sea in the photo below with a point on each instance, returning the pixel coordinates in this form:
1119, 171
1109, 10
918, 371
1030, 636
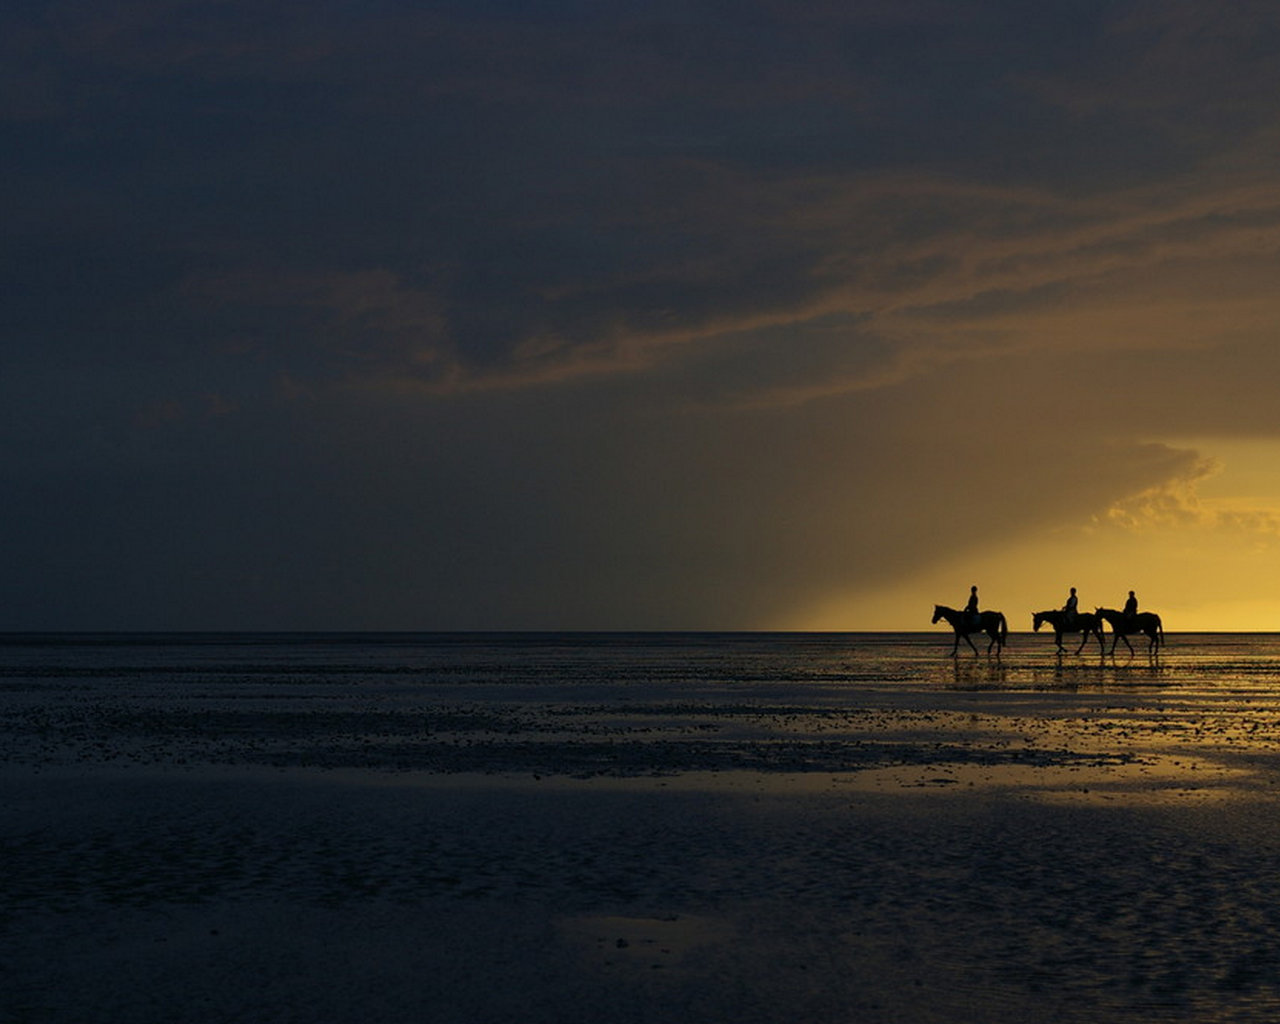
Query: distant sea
571, 661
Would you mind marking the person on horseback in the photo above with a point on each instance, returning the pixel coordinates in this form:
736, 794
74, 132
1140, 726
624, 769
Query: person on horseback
1131, 607
971, 609
1069, 609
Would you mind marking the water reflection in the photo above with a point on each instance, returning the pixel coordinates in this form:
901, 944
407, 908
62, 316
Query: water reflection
979, 675
1038, 669
1105, 673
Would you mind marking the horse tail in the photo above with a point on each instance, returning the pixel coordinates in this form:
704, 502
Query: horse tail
1004, 629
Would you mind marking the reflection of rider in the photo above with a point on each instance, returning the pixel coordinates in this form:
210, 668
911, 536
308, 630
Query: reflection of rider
971, 609
1069, 609
1131, 606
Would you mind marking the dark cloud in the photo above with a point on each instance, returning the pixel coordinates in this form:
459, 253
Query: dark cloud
497, 314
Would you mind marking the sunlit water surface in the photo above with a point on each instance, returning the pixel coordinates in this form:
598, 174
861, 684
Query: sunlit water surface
572, 703
809, 827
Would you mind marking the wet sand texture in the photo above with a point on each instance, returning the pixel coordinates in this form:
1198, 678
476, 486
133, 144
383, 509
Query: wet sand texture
336, 854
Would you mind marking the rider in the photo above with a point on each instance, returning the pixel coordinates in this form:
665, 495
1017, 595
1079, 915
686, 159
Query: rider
1069, 609
971, 609
1131, 607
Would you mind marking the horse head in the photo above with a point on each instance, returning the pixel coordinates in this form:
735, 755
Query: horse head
1037, 620
937, 613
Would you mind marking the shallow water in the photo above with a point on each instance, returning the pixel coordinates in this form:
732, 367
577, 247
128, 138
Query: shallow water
1246, 662
617, 704
558, 827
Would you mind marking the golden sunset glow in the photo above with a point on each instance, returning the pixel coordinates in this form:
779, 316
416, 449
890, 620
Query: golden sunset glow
1203, 551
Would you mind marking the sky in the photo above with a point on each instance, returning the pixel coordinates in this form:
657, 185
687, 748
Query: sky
377, 314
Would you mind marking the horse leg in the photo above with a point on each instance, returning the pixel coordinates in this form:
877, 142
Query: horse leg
1083, 640
1057, 639
969, 641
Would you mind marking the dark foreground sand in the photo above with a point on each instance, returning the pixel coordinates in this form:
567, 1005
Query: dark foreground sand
1066, 859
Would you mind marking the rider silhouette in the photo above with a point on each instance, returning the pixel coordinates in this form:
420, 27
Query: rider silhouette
971, 609
1131, 606
1069, 609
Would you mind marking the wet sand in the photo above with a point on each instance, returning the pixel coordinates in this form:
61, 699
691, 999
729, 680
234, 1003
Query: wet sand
868, 856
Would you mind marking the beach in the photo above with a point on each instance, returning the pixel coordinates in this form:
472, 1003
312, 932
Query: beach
654, 832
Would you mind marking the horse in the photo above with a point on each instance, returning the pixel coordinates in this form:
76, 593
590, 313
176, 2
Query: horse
991, 623
1144, 622
1087, 623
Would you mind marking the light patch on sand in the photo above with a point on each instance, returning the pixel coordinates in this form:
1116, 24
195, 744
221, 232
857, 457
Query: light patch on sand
1153, 779
649, 943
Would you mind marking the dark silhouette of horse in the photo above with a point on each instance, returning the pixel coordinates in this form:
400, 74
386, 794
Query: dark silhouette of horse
1144, 622
1087, 623
991, 623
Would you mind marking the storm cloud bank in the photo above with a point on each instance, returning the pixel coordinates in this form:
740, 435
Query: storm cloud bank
473, 315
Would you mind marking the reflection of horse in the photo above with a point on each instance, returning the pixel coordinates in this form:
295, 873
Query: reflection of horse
1122, 624
991, 623
1086, 622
